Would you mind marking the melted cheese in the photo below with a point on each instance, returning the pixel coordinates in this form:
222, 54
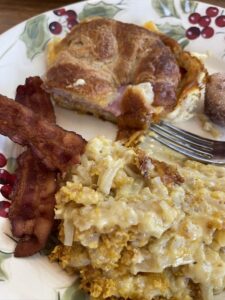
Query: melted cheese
139, 237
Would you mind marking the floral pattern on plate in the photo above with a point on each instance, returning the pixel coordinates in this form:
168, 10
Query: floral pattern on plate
38, 30
3, 257
186, 21
7, 180
22, 54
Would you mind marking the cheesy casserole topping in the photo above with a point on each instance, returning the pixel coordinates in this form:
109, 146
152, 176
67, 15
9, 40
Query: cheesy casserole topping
136, 228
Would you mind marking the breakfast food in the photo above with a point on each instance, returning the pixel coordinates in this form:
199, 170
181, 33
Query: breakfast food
215, 98
135, 228
132, 226
123, 73
33, 96
56, 148
30, 121
33, 198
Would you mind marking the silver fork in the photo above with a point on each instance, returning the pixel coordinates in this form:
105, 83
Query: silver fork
196, 147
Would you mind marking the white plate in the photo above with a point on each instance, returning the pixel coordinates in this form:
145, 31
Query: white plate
22, 54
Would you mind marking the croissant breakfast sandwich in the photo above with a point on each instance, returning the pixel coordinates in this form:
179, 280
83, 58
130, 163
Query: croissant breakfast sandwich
123, 73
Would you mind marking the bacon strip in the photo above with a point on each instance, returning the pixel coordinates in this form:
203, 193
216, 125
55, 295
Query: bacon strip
56, 148
35, 98
32, 210
33, 199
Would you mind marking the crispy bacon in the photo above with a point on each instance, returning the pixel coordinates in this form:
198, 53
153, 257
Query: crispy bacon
35, 98
57, 148
33, 198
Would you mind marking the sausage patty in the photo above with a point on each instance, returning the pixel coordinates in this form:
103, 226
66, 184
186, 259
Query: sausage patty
215, 98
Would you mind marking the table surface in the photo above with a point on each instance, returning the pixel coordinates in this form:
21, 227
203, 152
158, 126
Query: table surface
13, 12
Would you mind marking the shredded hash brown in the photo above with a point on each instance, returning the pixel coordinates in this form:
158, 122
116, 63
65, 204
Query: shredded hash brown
136, 228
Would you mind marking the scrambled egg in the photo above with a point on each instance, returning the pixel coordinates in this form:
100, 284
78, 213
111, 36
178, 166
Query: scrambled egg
136, 228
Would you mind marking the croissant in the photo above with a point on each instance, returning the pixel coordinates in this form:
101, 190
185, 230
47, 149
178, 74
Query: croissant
120, 72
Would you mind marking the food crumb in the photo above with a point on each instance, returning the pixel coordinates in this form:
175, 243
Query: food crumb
208, 126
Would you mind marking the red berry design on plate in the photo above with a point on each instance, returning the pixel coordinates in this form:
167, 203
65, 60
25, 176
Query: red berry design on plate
55, 27
68, 19
71, 14
3, 160
212, 11
71, 23
6, 177
4, 208
220, 21
6, 191
194, 18
59, 12
204, 21
207, 32
193, 33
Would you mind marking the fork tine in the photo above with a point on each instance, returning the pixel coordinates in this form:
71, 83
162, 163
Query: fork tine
176, 142
186, 152
185, 134
179, 139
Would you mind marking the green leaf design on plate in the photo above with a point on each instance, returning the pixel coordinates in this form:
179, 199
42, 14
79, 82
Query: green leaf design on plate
165, 8
188, 6
3, 256
8, 49
74, 292
177, 32
11, 164
99, 9
184, 43
35, 35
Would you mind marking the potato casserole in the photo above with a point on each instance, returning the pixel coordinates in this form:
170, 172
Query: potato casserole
137, 228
